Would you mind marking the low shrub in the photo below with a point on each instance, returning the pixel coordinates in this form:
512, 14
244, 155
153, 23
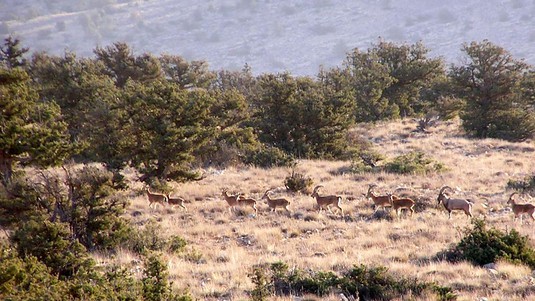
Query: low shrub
526, 185
269, 157
28, 278
176, 244
298, 182
262, 284
365, 161
155, 283
413, 162
376, 283
149, 239
366, 283
481, 246
52, 244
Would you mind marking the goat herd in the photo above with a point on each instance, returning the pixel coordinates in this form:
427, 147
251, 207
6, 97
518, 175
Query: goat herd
325, 201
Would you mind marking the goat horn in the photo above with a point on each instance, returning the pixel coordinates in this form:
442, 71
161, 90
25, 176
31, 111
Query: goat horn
444, 188
371, 186
512, 194
317, 187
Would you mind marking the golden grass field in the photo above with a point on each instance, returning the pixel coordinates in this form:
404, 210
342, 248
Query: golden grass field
231, 243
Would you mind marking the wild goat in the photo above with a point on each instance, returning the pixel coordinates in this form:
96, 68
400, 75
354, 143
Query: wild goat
378, 200
520, 209
399, 204
454, 204
176, 201
232, 200
249, 202
327, 200
156, 198
274, 203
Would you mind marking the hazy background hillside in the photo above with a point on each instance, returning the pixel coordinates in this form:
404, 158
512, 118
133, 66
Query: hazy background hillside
270, 36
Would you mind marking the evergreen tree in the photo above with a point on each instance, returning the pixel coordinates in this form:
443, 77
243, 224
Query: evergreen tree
386, 80
161, 126
367, 79
86, 200
51, 243
186, 74
121, 64
234, 137
242, 80
26, 278
86, 97
93, 209
32, 131
11, 54
301, 117
490, 83
412, 71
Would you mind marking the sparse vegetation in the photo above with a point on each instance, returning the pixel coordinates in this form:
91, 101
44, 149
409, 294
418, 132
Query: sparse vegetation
367, 283
481, 246
269, 157
225, 242
298, 182
413, 162
142, 120
149, 239
366, 161
526, 185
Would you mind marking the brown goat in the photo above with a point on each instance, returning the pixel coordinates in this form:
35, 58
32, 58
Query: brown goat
378, 200
156, 198
521, 209
324, 201
399, 204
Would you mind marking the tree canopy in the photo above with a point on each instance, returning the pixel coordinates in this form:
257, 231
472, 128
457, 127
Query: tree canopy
33, 131
164, 115
491, 84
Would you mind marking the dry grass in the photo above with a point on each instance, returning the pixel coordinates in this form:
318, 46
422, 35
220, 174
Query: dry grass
231, 243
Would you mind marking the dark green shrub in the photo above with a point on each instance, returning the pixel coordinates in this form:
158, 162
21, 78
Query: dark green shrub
269, 157
28, 279
526, 185
84, 199
95, 211
53, 245
149, 239
444, 293
449, 107
481, 246
19, 203
122, 283
367, 283
376, 284
318, 283
262, 283
279, 270
177, 244
155, 285
298, 182
413, 162
365, 161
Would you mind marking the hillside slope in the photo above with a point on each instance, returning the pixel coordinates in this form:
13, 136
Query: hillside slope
223, 246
